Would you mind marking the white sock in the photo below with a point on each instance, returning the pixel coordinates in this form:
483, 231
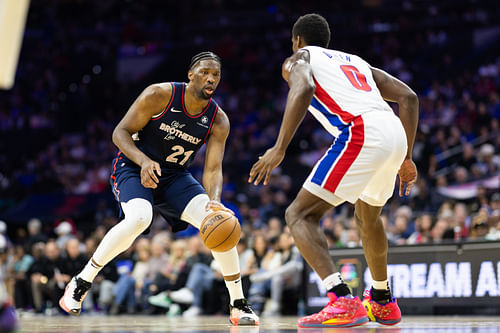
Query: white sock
332, 280
380, 285
90, 271
235, 290
230, 265
138, 215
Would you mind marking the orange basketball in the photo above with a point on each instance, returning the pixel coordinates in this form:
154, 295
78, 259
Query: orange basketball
220, 231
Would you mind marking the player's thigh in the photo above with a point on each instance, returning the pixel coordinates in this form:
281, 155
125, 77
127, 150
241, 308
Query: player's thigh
177, 196
389, 139
135, 199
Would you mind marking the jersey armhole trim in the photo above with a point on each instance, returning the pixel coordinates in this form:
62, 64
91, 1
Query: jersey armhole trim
211, 123
159, 115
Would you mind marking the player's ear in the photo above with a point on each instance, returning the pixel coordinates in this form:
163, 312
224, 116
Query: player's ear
300, 42
190, 75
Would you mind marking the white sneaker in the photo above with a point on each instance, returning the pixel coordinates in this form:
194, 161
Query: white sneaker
182, 296
241, 314
160, 300
193, 311
75, 292
174, 310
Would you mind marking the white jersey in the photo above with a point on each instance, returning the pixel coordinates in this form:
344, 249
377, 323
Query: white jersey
345, 88
370, 141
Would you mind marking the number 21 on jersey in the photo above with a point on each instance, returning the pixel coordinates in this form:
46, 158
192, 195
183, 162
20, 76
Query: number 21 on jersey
357, 79
179, 150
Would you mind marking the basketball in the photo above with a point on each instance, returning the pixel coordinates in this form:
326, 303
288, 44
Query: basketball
220, 231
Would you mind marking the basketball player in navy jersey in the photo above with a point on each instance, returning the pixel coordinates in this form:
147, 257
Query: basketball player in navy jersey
170, 122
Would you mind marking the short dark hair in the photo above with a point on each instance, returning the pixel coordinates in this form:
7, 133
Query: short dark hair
202, 56
313, 28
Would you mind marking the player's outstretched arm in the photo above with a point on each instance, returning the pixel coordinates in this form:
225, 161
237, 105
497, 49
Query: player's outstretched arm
150, 102
397, 91
297, 71
212, 171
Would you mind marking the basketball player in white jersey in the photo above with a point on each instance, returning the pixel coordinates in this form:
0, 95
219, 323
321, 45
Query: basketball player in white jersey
372, 145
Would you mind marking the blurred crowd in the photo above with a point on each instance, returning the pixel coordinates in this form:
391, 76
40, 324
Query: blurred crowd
71, 90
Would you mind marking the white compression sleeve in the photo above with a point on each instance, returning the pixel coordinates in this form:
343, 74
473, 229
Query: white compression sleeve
194, 213
138, 215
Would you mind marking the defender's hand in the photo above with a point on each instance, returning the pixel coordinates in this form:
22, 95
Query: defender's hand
407, 176
215, 206
263, 167
149, 170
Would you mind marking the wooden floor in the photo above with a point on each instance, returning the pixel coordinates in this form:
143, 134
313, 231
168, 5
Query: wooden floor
145, 324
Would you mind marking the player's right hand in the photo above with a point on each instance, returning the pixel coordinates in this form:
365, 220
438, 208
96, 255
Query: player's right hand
261, 170
149, 171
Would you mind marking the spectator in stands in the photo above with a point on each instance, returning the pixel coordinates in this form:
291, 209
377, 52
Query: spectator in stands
71, 261
488, 163
438, 230
284, 275
479, 226
127, 284
35, 232
422, 201
171, 277
199, 280
47, 282
274, 227
422, 234
22, 262
461, 220
158, 260
63, 232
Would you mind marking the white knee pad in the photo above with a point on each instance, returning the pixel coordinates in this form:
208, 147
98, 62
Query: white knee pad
195, 213
138, 212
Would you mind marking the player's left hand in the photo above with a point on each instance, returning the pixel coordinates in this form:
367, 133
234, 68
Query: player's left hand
216, 206
261, 170
407, 176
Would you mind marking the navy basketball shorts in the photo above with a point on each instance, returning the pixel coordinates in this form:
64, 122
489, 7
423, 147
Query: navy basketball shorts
175, 189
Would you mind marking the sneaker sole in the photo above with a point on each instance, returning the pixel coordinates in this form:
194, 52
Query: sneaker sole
243, 322
388, 322
358, 322
63, 306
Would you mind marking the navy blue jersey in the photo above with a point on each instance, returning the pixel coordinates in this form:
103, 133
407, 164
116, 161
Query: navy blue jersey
173, 137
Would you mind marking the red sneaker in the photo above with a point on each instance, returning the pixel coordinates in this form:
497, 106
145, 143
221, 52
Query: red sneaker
339, 312
387, 314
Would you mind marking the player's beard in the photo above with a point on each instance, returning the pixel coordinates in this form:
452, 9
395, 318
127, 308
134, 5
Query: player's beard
204, 95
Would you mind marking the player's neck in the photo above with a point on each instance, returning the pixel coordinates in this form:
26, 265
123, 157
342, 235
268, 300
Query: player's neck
194, 104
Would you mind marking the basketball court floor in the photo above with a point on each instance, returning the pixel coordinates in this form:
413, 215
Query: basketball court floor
146, 324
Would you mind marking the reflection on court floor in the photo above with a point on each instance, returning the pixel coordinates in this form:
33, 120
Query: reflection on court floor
146, 324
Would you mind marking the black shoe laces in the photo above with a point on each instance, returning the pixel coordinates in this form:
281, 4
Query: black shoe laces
243, 305
82, 287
